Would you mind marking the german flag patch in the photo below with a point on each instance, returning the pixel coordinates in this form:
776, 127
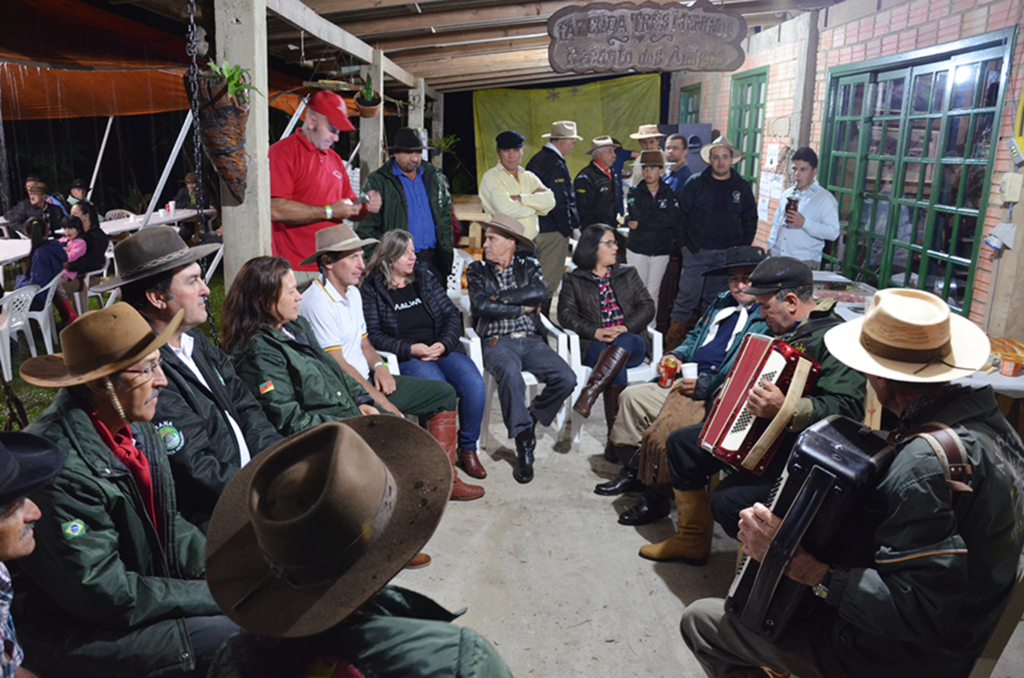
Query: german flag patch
267, 387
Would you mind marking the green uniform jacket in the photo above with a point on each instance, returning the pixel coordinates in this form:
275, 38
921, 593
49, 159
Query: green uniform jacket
394, 211
295, 381
100, 595
839, 389
943, 564
695, 338
396, 634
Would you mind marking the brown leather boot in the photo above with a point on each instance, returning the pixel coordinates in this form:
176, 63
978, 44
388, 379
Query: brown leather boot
444, 428
471, 463
611, 411
692, 542
611, 361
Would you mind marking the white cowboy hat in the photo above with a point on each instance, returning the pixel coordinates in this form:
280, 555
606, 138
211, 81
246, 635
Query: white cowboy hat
722, 141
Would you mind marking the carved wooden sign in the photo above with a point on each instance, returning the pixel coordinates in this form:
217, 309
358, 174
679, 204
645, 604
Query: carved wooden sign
603, 38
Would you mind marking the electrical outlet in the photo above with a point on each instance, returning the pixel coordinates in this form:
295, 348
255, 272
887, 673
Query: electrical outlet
1016, 153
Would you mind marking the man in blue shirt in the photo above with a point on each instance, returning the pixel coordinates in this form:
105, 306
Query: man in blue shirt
677, 172
413, 198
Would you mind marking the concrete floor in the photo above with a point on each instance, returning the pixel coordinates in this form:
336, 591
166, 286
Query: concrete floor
555, 583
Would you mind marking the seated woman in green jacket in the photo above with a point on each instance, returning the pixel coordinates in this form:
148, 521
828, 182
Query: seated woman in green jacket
276, 354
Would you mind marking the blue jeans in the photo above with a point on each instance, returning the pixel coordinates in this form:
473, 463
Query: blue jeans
633, 343
459, 371
507, 359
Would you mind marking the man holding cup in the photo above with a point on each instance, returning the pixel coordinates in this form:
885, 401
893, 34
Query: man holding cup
648, 413
807, 216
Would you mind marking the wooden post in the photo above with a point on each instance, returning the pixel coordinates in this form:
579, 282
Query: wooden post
437, 126
371, 130
417, 100
241, 38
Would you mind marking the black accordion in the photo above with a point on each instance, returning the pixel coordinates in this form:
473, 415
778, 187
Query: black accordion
832, 467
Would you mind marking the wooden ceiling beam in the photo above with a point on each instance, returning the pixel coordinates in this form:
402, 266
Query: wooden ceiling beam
472, 64
478, 49
452, 38
531, 12
335, 6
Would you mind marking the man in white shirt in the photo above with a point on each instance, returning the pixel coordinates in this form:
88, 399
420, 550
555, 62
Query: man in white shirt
801, 233
508, 188
209, 420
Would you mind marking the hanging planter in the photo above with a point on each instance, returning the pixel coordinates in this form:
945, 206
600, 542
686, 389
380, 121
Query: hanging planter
367, 102
223, 112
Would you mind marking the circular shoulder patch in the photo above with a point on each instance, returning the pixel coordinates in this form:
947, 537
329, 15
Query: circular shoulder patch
172, 437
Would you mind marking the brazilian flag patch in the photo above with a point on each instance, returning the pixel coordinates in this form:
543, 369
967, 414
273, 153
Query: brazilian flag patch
75, 528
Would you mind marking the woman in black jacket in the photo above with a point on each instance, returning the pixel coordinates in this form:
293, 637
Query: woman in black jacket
408, 313
607, 304
652, 214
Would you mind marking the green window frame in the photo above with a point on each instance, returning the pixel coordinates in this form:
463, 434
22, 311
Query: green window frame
746, 120
908, 148
689, 104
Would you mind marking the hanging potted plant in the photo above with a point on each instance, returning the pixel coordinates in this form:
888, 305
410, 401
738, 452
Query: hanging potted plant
223, 112
367, 102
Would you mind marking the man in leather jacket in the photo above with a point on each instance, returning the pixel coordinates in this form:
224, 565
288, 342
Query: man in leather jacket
505, 293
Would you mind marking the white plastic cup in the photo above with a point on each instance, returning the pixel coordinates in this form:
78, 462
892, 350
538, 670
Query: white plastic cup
171, 206
688, 370
163, 213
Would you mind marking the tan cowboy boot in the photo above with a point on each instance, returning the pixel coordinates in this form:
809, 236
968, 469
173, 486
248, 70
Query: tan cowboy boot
691, 544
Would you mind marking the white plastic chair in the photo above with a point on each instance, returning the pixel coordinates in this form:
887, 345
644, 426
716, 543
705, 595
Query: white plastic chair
461, 260
562, 419
214, 264
44, 317
639, 374
14, 309
82, 296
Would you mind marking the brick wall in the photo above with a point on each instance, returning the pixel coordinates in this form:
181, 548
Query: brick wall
855, 31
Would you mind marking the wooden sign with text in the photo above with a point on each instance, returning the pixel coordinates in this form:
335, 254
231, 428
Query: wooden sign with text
607, 38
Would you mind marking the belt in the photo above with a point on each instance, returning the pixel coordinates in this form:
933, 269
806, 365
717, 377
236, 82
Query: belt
520, 334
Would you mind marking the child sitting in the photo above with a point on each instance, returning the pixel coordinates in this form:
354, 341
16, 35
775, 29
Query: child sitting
73, 242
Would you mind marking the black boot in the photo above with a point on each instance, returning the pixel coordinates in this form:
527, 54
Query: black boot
652, 506
626, 481
526, 442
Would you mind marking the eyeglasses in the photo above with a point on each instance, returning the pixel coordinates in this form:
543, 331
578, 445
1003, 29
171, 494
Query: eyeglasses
607, 243
148, 372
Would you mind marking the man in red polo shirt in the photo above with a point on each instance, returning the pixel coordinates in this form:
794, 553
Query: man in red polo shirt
309, 187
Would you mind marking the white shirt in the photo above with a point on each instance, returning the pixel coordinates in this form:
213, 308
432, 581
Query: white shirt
821, 222
185, 356
337, 321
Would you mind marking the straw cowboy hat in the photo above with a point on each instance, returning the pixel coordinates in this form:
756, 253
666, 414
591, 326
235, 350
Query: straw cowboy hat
602, 142
340, 238
150, 251
564, 129
652, 158
723, 141
27, 462
97, 345
511, 227
647, 132
910, 335
315, 525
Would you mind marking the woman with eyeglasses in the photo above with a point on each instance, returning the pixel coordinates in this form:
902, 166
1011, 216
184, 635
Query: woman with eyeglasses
607, 304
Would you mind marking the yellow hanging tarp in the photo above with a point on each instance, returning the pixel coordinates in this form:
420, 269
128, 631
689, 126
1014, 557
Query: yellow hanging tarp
613, 107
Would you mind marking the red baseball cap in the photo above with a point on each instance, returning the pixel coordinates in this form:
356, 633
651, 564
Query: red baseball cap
333, 107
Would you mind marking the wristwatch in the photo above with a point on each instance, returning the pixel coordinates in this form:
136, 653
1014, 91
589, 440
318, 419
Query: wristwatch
821, 590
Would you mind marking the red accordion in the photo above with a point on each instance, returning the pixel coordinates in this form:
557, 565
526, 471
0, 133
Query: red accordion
731, 432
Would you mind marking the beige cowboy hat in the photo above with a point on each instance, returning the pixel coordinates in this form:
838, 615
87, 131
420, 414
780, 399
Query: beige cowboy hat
655, 158
340, 238
602, 142
723, 141
564, 129
315, 525
97, 345
910, 335
647, 132
511, 227
150, 251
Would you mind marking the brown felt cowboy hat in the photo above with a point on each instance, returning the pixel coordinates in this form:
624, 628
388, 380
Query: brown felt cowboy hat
97, 345
150, 251
315, 525
340, 238
511, 227
722, 142
910, 335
